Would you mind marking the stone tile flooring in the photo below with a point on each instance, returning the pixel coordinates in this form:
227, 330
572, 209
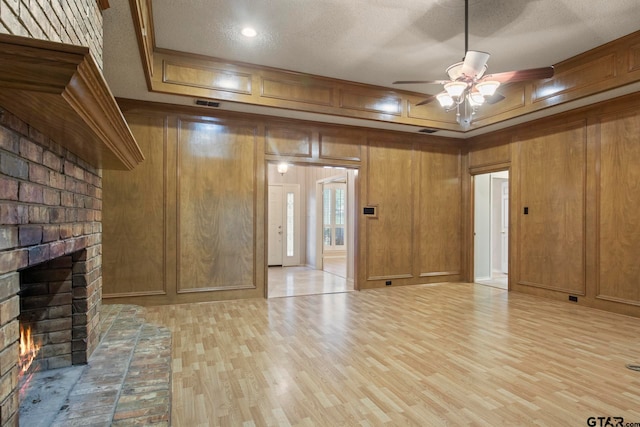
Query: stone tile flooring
127, 381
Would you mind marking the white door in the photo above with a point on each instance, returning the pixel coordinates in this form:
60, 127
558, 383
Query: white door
275, 231
505, 227
284, 225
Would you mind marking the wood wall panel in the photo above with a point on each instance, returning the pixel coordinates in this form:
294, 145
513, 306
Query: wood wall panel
390, 187
210, 78
288, 141
341, 145
491, 153
619, 204
576, 78
634, 58
378, 103
551, 240
216, 207
134, 217
440, 212
297, 91
436, 115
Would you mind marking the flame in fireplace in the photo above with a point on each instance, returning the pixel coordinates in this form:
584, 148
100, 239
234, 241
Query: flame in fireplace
28, 349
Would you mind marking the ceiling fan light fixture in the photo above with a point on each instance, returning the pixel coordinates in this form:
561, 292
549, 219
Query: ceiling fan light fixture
476, 99
455, 89
487, 88
454, 71
444, 99
468, 87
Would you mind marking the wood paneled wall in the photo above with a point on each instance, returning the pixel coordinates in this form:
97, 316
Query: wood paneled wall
391, 190
577, 175
415, 236
551, 186
134, 264
618, 205
439, 211
216, 206
189, 221
575, 172
189, 224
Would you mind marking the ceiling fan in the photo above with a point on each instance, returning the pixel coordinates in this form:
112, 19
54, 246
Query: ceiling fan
468, 86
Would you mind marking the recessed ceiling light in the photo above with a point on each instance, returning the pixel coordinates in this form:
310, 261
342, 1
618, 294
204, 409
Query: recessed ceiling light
249, 32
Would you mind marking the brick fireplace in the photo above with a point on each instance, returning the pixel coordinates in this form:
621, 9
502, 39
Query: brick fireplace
50, 253
59, 127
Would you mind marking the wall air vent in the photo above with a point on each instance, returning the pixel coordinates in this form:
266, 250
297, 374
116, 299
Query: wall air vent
428, 130
206, 103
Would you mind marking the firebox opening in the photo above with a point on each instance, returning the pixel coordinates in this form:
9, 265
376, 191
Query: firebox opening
48, 311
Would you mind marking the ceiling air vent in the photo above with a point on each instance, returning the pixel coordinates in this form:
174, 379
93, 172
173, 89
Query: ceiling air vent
428, 130
205, 103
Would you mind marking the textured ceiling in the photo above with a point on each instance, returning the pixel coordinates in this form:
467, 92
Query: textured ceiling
368, 41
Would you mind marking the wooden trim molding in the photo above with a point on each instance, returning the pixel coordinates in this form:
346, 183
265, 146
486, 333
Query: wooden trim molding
103, 4
60, 91
133, 294
142, 15
440, 273
391, 276
552, 288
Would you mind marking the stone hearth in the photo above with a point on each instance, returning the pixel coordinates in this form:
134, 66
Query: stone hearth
127, 380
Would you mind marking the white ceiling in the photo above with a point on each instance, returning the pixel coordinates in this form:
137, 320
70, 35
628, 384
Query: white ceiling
368, 41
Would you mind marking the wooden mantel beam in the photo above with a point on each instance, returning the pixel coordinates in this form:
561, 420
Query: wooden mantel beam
59, 90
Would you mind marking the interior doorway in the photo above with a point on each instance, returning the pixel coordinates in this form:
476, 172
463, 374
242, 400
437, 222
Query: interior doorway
311, 214
491, 229
332, 194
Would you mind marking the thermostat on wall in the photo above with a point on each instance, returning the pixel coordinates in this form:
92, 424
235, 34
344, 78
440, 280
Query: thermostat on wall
370, 211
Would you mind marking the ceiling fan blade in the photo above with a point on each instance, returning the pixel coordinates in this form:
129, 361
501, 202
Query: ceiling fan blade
426, 101
521, 75
474, 63
495, 98
410, 82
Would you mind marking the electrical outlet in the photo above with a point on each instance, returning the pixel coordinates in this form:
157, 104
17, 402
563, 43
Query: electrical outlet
388, 283
573, 298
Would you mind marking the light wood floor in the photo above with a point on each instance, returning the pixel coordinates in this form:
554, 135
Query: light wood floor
451, 354
498, 280
296, 281
336, 265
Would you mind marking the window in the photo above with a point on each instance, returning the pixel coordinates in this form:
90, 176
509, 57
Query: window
334, 205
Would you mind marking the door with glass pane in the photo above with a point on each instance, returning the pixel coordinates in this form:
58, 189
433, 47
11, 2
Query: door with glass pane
284, 225
334, 221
